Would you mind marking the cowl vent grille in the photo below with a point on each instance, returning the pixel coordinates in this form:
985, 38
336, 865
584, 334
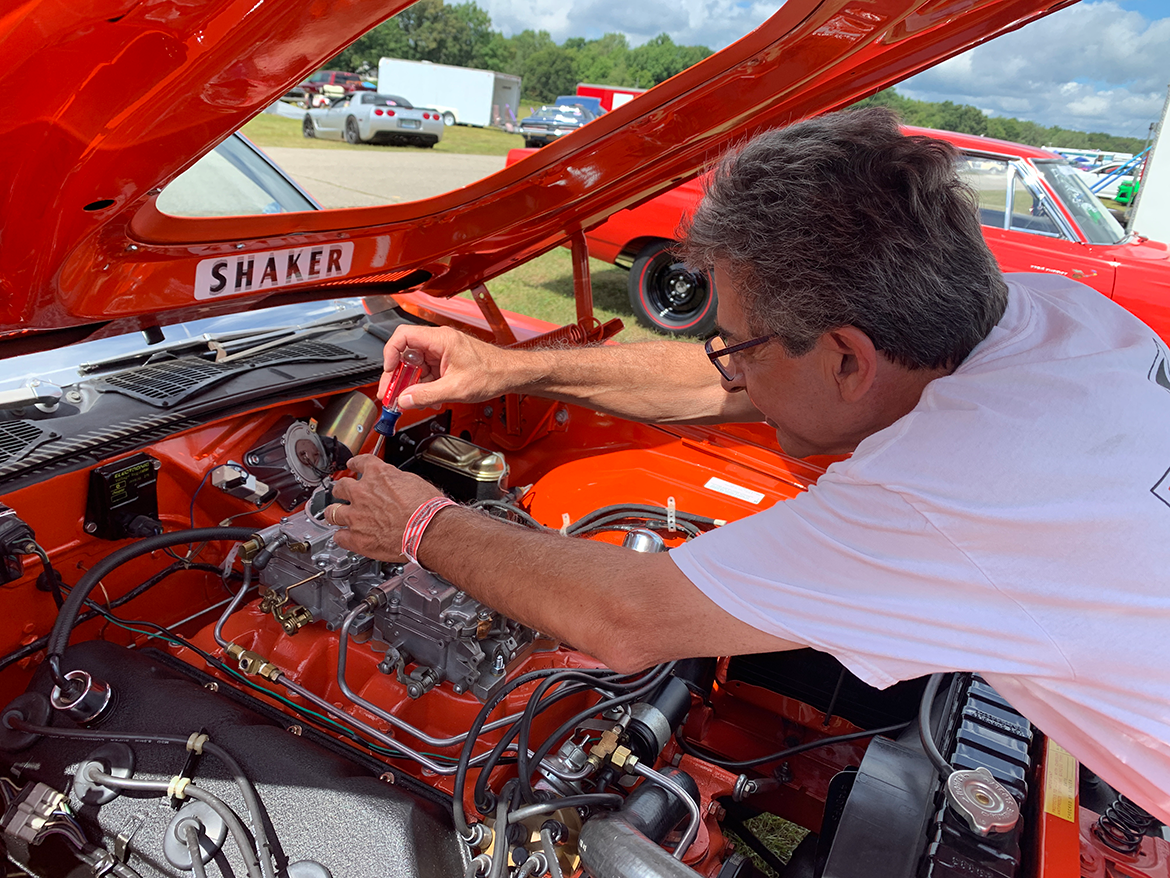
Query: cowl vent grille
17, 438
170, 382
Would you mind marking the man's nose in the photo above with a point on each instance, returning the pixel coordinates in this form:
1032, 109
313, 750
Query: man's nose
736, 383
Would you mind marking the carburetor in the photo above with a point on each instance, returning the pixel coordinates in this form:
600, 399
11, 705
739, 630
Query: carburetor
429, 630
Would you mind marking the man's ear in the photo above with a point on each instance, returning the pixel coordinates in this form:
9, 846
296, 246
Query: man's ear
851, 361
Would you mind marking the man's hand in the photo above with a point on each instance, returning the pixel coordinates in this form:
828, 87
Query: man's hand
457, 367
379, 506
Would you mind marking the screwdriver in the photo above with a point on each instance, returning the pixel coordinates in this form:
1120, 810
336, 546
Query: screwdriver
404, 376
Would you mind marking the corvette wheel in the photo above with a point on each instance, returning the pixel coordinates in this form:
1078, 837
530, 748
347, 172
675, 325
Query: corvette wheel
667, 296
307, 128
352, 135
448, 118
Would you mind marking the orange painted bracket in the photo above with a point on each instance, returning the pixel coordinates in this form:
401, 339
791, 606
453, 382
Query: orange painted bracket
582, 283
491, 312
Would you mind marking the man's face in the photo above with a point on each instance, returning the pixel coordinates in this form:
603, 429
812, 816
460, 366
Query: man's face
797, 395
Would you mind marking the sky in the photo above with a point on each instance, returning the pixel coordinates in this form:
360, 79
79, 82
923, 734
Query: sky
1099, 65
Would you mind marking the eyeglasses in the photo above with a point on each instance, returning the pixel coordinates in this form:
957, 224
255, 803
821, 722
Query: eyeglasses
716, 349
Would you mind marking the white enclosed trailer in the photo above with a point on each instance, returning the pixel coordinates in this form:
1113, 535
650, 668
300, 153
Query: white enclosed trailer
1151, 212
464, 95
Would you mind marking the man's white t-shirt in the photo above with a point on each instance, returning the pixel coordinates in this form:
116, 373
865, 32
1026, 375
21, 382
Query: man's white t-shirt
1015, 523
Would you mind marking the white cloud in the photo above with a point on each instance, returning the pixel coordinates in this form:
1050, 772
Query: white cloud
712, 23
1094, 66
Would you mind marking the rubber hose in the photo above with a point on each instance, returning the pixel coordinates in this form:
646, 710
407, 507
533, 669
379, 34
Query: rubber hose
67, 617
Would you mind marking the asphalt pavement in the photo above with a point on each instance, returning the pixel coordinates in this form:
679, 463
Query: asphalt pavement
368, 177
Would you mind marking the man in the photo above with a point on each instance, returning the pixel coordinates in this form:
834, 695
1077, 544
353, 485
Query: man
1006, 506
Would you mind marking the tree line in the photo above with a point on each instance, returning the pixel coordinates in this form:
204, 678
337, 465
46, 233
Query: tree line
462, 34
966, 119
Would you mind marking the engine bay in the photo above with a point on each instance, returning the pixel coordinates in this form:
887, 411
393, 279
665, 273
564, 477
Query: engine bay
199, 680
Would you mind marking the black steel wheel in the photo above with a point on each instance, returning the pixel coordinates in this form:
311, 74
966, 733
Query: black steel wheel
352, 135
307, 128
669, 297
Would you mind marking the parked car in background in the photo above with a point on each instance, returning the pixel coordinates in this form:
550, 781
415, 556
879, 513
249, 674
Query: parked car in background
372, 117
592, 104
1094, 176
1037, 211
552, 122
328, 84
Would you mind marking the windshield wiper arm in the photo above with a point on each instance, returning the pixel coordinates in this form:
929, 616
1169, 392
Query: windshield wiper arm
220, 344
44, 395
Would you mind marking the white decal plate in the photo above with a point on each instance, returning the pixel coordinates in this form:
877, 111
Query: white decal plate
739, 492
242, 273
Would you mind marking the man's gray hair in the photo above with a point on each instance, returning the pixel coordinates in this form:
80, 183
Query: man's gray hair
843, 220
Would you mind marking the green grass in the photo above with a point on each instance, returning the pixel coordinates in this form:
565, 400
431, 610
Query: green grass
778, 835
266, 130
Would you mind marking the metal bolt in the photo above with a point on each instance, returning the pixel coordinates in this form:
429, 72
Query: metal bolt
436, 427
488, 411
211, 686
295, 730
498, 666
156, 463
90, 527
459, 688
132, 247
73, 396
239, 246
562, 416
386, 777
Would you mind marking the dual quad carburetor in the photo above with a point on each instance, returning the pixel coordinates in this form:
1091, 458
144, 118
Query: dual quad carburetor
402, 611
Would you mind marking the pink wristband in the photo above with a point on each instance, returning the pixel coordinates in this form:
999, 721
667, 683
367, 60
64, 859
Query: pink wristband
416, 525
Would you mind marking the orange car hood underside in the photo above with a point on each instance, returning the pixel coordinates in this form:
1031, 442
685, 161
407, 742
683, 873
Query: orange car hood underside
111, 99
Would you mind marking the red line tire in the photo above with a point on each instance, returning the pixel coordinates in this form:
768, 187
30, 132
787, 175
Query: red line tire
669, 297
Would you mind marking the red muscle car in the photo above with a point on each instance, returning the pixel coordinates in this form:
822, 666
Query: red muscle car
195, 679
1038, 214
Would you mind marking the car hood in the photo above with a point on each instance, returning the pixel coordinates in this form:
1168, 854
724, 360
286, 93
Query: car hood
120, 96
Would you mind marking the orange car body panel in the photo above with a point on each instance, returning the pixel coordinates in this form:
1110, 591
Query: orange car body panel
143, 89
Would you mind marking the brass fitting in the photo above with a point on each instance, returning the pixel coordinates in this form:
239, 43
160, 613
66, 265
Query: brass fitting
249, 549
252, 663
605, 746
624, 759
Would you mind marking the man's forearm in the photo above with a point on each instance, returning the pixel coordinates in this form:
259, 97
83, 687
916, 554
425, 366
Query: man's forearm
546, 581
627, 609
655, 382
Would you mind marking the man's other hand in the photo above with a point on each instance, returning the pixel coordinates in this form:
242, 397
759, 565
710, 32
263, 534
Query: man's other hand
380, 500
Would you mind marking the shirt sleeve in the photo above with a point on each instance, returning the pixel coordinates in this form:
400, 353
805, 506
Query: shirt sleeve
856, 571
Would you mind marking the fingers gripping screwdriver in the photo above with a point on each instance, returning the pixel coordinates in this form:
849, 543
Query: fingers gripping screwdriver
404, 376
